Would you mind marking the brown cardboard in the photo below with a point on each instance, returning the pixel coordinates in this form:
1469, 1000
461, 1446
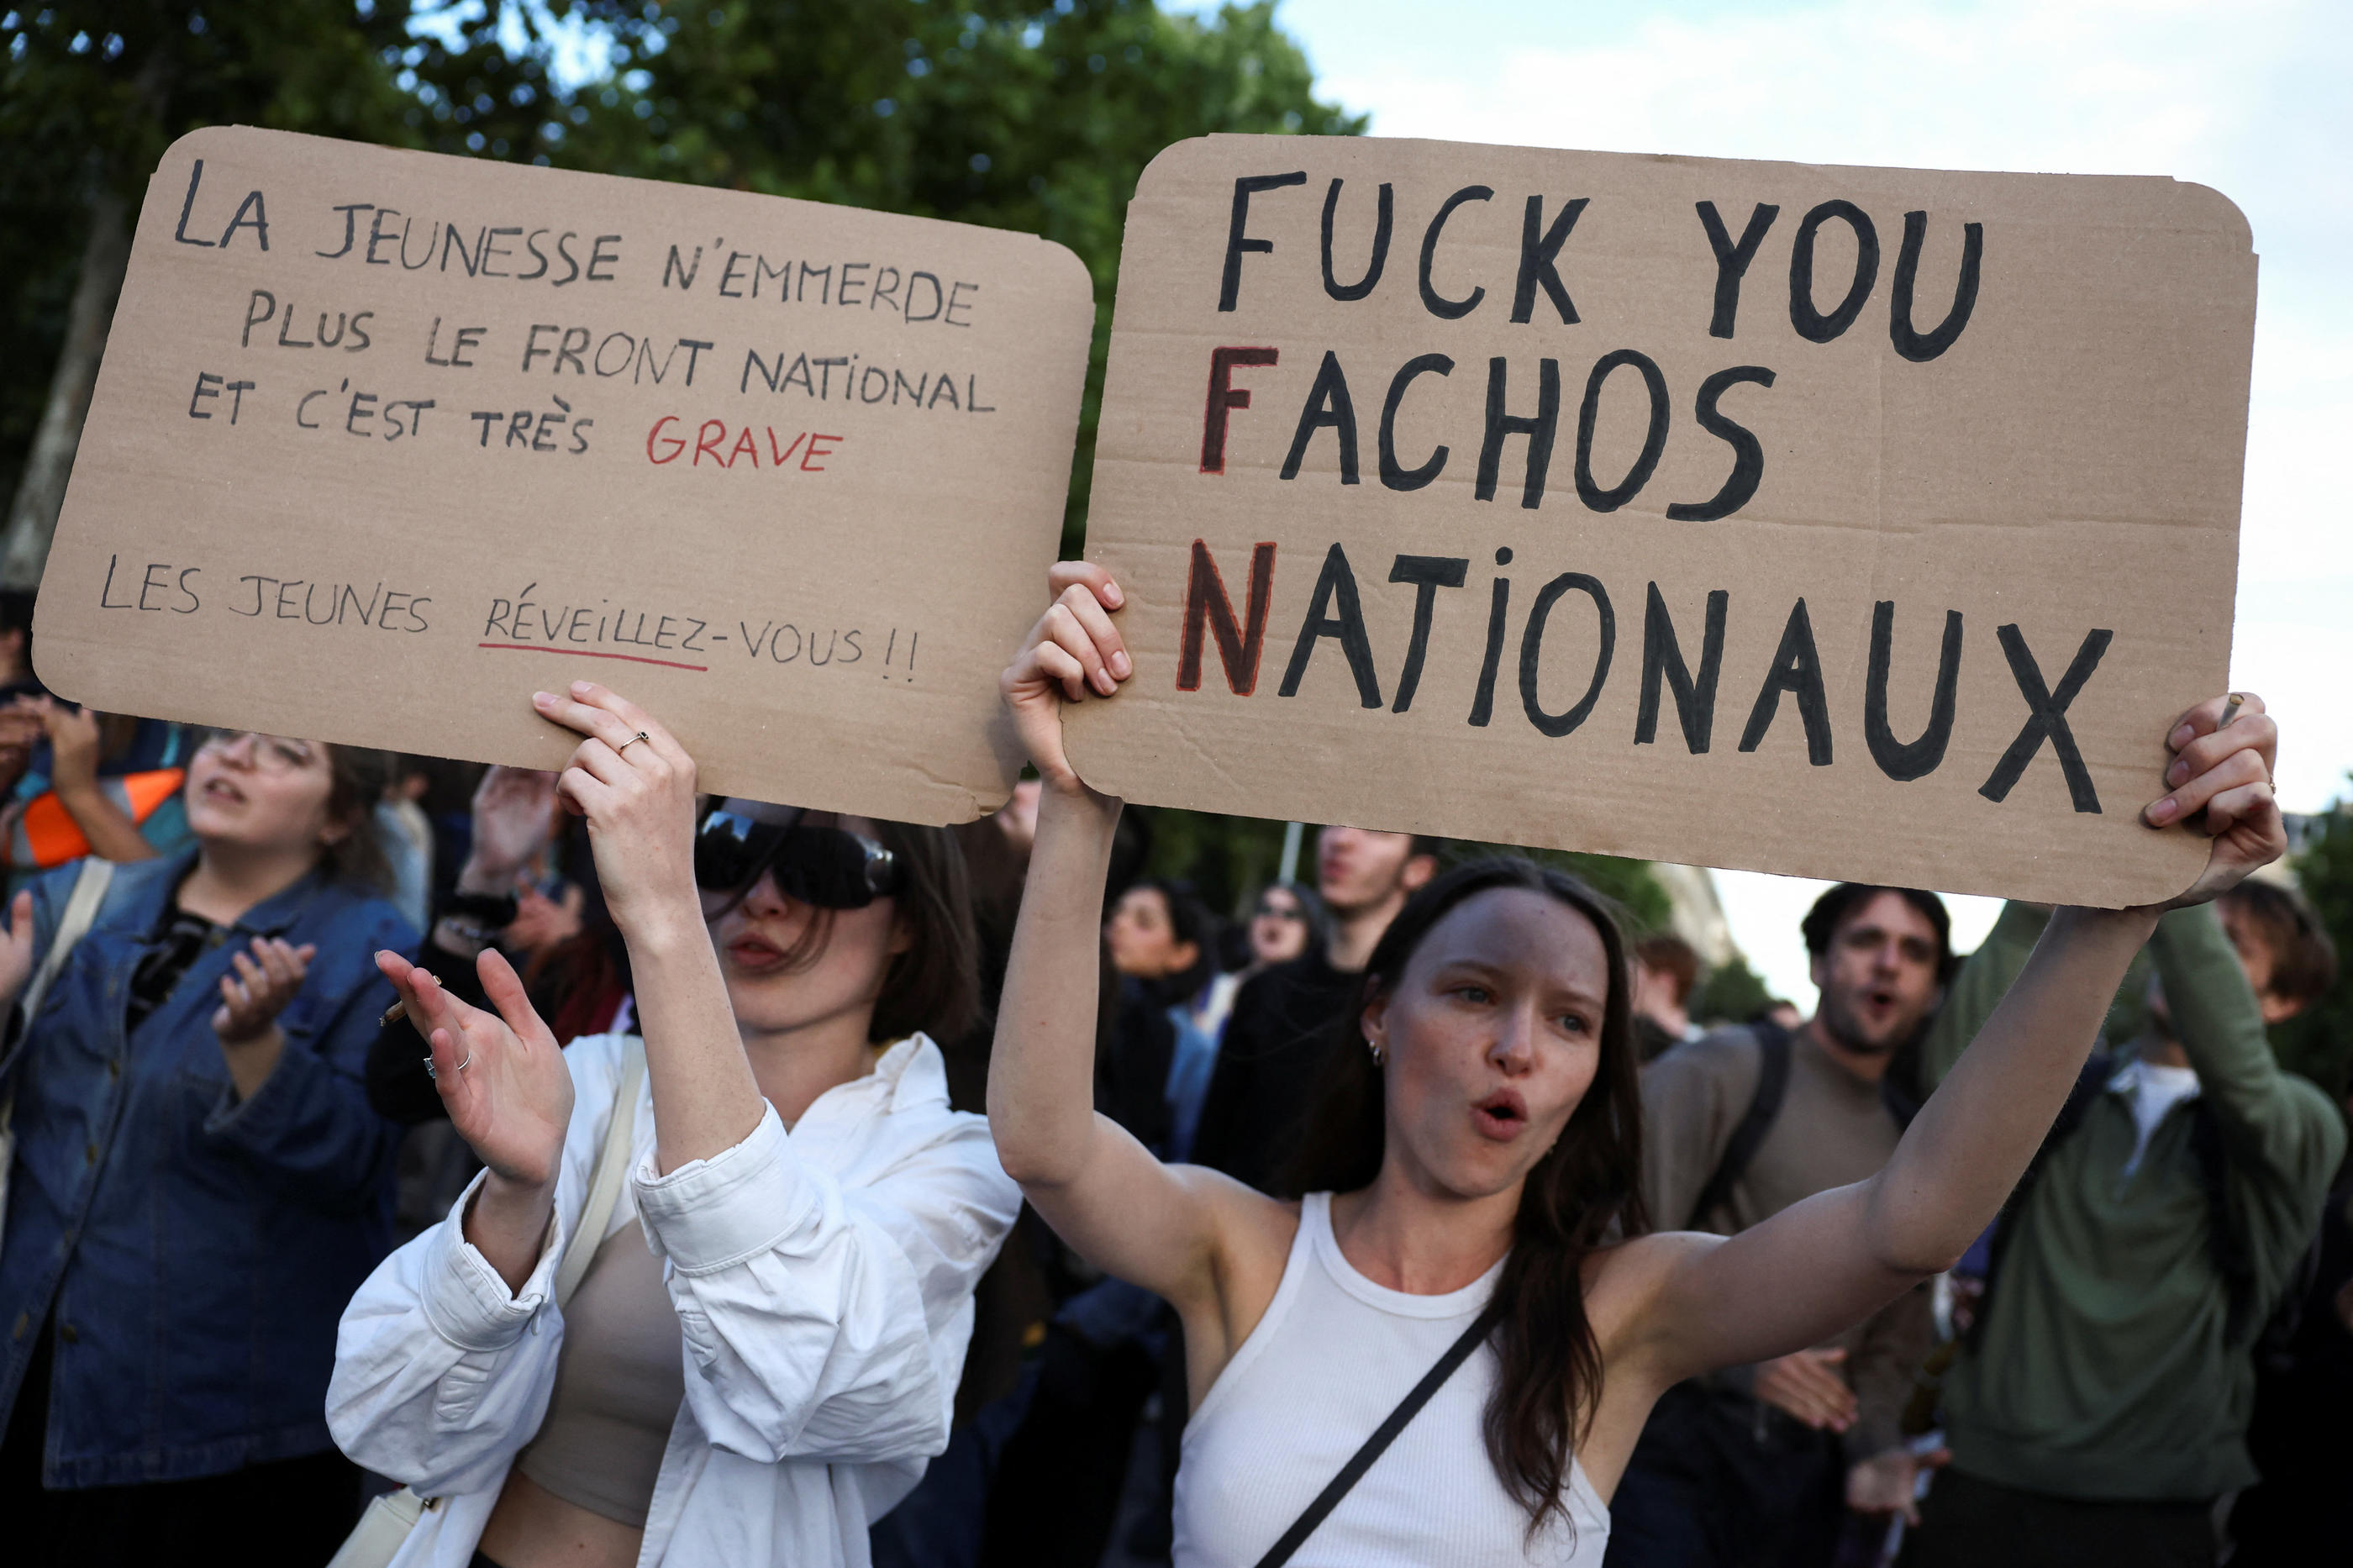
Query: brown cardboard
263, 532
2068, 464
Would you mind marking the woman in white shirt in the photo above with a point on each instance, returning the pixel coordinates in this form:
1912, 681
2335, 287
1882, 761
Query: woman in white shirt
763, 1351
1482, 1144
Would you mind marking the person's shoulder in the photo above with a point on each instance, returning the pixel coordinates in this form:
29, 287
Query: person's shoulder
1727, 1049
1724, 1062
911, 1078
2320, 1117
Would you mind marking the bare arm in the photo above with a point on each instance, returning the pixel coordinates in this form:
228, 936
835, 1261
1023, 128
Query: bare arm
639, 798
1822, 1264
1106, 1194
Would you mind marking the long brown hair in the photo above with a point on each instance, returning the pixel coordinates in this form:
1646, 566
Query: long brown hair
1585, 1193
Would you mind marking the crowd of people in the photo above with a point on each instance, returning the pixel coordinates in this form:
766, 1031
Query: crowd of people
625, 1175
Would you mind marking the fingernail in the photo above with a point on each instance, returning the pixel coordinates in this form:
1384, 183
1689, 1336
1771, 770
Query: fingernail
1119, 666
2178, 775
1104, 683
2163, 812
1112, 596
543, 697
2182, 737
580, 687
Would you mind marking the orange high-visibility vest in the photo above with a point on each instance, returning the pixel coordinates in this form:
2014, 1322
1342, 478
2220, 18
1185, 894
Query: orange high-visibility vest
46, 835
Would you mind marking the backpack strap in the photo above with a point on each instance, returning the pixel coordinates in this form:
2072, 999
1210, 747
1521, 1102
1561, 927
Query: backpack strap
2089, 1085
80, 913
1748, 1136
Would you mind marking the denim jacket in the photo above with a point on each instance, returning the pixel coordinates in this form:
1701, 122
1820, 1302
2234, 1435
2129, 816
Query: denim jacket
196, 1249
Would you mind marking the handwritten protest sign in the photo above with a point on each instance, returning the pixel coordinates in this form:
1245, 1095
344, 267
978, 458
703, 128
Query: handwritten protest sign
1837, 521
384, 441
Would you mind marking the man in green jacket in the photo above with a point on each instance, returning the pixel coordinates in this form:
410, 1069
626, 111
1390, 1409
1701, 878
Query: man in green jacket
2101, 1404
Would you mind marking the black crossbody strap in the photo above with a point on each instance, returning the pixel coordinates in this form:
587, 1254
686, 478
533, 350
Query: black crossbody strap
1378, 1444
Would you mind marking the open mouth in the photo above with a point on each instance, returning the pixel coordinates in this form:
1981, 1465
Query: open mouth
222, 790
1500, 1115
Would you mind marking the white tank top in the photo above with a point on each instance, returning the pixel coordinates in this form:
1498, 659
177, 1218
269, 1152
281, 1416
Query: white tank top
1333, 1356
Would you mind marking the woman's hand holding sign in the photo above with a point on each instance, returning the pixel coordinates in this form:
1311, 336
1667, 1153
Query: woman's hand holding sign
635, 783
2224, 751
1073, 649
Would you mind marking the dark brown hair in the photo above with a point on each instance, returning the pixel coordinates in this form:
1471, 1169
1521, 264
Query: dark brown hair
1584, 1193
2304, 959
360, 775
1669, 954
934, 986
1847, 899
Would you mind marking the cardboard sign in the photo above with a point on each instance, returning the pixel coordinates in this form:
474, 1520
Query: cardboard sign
1836, 521
385, 441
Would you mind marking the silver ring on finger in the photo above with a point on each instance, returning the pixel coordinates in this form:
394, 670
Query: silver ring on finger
429, 1070
632, 741
466, 1063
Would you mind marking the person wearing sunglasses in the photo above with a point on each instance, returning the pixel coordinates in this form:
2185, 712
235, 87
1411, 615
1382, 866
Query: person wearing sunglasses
1286, 922
763, 1353
198, 1183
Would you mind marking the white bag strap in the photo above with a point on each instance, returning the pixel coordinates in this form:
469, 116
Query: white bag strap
612, 1170
81, 911
389, 1520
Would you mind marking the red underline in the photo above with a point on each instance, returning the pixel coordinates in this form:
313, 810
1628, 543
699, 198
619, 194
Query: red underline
589, 653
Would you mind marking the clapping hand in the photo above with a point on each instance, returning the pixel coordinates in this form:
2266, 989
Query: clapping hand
259, 989
515, 817
500, 1074
1805, 1386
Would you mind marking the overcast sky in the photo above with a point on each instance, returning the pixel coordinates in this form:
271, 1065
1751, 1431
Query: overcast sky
2253, 97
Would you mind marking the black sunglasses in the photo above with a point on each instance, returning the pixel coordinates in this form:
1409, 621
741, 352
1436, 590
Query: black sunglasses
831, 867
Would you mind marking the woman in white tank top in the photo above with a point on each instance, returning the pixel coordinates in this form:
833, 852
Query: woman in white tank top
1476, 1147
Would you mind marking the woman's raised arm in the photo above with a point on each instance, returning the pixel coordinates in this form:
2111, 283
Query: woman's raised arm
635, 783
1152, 1225
1822, 1264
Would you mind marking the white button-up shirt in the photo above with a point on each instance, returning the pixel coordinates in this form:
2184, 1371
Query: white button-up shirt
823, 1283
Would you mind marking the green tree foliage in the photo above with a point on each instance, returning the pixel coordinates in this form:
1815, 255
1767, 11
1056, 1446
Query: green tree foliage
1729, 994
2319, 1044
92, 91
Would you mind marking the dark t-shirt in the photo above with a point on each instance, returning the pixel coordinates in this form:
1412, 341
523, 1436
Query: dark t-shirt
1285, 1024
178, 940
